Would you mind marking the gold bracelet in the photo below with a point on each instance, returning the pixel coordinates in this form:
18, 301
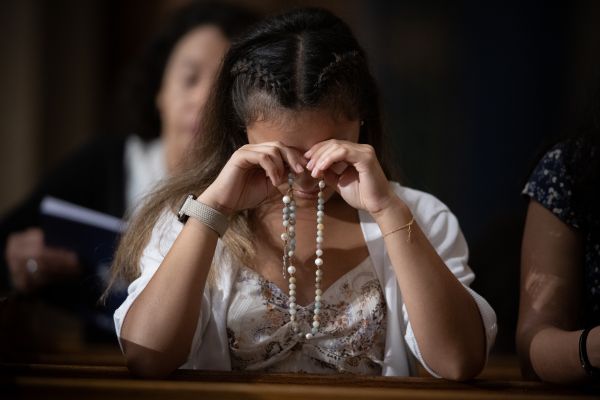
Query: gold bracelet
400, 228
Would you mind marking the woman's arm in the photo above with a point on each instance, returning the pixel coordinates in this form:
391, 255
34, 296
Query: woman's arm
159, 327
550, 305
444, 316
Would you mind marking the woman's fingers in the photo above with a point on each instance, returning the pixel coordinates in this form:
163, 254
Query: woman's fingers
282, 155
293, 158
331, 179
241, 184
290, 156
335, 152
312, 153
265, 157
338, 168
33, 264
272, 166
327, 156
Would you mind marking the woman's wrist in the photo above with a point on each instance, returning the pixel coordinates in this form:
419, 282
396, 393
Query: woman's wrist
394, 214
593, 347
212, 201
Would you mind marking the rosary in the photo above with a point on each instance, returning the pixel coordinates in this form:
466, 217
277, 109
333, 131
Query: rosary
289, 248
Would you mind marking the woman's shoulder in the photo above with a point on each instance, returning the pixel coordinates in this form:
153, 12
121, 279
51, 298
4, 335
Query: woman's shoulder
555, 161
551, 182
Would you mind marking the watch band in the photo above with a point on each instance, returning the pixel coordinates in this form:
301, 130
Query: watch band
583, 357
203, 213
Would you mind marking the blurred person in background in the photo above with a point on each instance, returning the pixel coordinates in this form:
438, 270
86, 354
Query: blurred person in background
558, 333
165, 97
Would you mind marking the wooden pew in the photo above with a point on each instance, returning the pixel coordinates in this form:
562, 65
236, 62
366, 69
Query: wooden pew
56, 363
62, 381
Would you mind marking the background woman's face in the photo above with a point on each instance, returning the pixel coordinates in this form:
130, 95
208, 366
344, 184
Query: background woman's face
187, 80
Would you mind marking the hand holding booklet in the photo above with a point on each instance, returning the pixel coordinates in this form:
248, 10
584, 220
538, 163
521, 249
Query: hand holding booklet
94, 237
89, 233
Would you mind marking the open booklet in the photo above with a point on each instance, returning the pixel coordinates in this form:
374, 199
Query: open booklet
91, 234
94, 237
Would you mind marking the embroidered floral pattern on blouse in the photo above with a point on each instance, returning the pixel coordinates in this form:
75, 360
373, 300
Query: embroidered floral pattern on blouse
552, 186
351, 337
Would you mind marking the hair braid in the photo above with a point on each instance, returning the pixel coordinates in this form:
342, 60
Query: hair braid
347, 60
257, 74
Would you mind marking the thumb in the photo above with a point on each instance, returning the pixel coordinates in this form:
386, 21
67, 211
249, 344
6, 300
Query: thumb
331, 179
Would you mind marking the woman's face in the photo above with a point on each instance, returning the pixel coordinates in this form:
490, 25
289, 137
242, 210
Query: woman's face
301, 130
187, 80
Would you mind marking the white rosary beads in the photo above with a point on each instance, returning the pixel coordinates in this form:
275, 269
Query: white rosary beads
289, 249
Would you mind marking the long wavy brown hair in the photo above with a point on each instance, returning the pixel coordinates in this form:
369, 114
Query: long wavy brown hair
302, 59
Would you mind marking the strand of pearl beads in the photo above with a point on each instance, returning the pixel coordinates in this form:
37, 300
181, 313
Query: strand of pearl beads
289, 249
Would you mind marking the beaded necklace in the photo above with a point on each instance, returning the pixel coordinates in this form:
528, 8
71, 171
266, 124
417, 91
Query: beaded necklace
289, 249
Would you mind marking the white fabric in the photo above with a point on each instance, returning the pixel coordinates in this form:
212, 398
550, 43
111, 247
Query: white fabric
210, 348
145, 166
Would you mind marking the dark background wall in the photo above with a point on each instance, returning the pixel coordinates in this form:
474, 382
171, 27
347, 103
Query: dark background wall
472, 93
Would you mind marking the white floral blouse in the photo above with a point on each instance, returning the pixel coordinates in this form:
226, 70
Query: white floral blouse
210, 348
351, 337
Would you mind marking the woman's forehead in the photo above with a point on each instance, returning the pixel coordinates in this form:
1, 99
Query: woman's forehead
303, 128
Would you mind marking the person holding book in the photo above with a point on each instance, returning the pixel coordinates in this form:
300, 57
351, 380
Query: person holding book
112, 174
558, 333
284, 246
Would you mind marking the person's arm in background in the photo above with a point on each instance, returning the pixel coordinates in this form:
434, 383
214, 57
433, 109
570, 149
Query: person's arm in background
92, 177
550, 314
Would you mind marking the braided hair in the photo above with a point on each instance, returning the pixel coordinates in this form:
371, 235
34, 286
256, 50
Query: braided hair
299, 60
302, 59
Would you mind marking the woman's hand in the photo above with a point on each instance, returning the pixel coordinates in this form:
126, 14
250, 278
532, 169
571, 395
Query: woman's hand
251, 176
32, 264
353, 170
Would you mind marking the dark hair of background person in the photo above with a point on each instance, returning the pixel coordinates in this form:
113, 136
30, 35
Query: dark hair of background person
304, 59
136, 110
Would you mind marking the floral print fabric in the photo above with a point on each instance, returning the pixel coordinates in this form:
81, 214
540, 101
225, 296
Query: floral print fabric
351, 337
552, 186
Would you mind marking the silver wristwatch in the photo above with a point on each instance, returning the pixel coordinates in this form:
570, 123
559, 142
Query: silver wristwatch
203, 213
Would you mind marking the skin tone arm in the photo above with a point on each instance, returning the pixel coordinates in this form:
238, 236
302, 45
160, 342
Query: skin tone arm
444, 316
450, 333
551, 286
169, 306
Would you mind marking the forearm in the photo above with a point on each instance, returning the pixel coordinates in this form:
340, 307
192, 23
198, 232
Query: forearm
159, 327
554, 354
444, 316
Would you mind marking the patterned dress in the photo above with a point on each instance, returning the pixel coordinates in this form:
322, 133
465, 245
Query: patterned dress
552, 185
351, 337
